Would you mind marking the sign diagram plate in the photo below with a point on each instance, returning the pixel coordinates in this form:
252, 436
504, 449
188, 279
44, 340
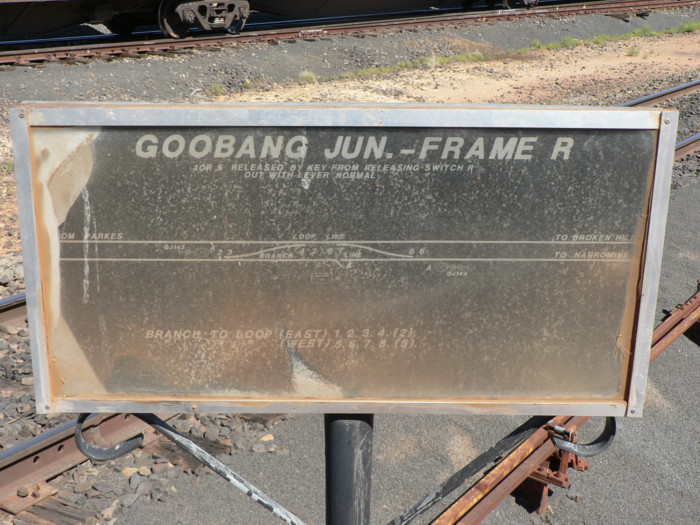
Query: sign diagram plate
351, 258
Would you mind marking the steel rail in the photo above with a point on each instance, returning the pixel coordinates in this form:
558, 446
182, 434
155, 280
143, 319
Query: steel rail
662, 96
495, 476
678, 322
37, 460
13, 310
516, 477
687, 146
484, 460
33, 462
518, 466
258, 25
29, 464
136, 48
679, 313
250, 26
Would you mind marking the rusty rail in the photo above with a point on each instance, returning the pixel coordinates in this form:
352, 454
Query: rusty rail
512, 472
678, 322
25, 468
528, 468
488, 484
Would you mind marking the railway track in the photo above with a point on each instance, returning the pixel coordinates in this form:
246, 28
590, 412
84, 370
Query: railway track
13, 310
135, 48
689, 144
26, 468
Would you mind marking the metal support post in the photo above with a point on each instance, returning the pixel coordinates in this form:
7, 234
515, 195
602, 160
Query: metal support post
348, 468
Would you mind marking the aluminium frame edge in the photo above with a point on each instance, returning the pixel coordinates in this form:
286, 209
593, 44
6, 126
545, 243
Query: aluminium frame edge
422, 116
491, 407
658, 212
110, 116
20, 127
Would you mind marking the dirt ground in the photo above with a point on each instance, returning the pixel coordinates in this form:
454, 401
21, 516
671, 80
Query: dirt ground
541, 76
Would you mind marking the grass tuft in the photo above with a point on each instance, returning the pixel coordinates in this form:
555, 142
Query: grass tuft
602, 39
569, 42
216, 89
646, 31
428, 62
686, 27
307, 77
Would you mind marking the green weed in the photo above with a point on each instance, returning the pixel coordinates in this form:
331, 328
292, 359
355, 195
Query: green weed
418, 63
569, 42
646, 31
686, 27
307, 77
216, 89
602, 39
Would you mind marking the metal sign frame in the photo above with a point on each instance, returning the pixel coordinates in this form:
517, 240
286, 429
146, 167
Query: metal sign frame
31, 116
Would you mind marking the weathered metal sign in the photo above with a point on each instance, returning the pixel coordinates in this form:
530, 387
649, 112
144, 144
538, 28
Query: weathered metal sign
314, 258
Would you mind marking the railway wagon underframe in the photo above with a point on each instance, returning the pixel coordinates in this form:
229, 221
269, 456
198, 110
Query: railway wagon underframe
177, 17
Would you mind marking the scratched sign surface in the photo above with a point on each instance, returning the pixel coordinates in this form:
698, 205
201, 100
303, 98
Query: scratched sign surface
315, 263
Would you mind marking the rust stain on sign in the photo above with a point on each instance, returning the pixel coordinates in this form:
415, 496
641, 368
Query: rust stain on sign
63, 162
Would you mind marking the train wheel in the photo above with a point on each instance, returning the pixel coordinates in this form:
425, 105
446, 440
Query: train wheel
508, 4
121, 25
170, 22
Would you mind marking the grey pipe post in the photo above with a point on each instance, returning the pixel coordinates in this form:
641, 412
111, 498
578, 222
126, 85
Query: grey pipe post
348, 468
